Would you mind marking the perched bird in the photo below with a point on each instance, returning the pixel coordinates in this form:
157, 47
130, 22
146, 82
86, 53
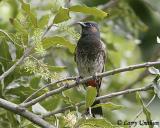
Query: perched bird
90, 57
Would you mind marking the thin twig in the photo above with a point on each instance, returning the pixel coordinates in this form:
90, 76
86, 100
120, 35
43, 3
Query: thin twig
100, 75
111, 95
140, 112
25, 113
48, 29
47, 85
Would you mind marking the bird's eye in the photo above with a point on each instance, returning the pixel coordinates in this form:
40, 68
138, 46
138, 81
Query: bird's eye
89, 24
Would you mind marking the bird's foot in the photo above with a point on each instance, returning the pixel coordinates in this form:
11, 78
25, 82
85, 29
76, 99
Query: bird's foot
95, 77
78, 80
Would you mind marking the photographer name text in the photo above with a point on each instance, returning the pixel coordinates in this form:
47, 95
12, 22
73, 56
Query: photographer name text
140, 122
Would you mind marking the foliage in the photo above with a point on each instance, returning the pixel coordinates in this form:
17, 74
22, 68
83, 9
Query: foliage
145, 110
91, 95
50, 27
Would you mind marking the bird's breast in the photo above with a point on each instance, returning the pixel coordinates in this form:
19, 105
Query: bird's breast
89, 58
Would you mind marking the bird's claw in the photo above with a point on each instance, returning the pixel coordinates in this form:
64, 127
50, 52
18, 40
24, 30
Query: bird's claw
95, 77
78, 80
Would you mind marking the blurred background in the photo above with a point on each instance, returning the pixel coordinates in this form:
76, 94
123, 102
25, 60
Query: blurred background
130, 32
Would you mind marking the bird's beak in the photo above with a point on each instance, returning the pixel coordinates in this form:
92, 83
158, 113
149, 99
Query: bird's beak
82, 24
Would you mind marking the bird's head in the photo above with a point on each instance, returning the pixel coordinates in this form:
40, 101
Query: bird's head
89, 28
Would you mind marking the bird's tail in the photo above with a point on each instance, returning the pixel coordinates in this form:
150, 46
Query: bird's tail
97, 110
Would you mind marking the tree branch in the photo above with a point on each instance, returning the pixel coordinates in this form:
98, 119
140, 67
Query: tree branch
47, 85
155, 55
25, 113
111, 95
11, 69
100, 75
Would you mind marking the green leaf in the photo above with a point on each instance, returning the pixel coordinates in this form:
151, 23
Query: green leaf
109, 106
34, 83
62, 15
153, 70
13, 38
145, 110
54, 41
4, 52
56, 68
5, 34
25, 6
139, 99
52, 103
93, 123
27, 9
67, 99
33, 19
18, 26
89, 10
38, 109
21, 91
43, 21
74, 95
20, 40
11, 118
91, 95
148, 116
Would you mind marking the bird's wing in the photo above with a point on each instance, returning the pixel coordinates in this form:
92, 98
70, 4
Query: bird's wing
104, 52
75, 54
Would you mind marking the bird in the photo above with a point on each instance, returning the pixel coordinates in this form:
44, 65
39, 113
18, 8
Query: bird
90, 56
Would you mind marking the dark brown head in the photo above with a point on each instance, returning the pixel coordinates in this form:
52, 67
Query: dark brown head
89, 28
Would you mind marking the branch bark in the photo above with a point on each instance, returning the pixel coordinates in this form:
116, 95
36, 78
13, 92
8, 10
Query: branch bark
100, 75
111, 95
25, 113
